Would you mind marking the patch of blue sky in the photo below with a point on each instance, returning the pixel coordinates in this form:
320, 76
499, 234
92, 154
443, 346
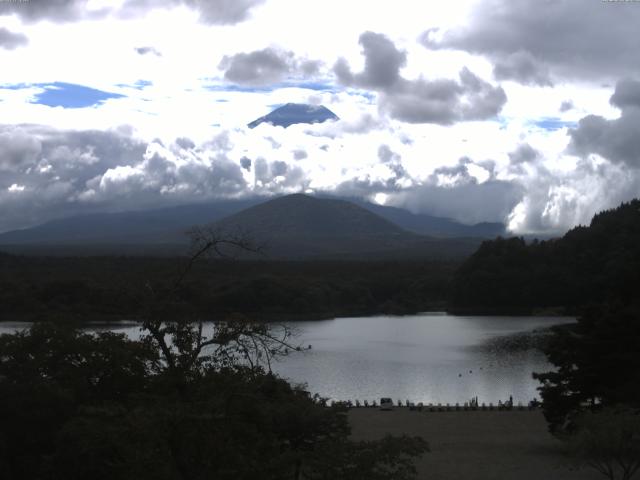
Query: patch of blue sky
70, 95
239, 88
138, 85
362, 93
14, 86
552, 123
315, 86
318, 86
502, 121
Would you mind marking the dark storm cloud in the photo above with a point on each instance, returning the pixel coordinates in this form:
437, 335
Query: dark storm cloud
220, 12
521, 67
525, 153
386, 155
444, 101
223, 12
245, 163
383, 62
54, 10
10, 40
453, 175
566, 105
215, 12
300, 154
617, 140
51, 169
309, 68
256, 68
574, 37
393, 161
440, 101
18, 149
363, 187
466, 200
185, 143
47, 173
262, 67
469, 202
627, 94
277, 177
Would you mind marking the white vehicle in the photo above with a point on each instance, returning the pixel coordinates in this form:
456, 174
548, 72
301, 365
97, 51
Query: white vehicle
386, 403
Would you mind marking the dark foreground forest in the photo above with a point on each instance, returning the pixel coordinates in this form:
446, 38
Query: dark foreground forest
179, 405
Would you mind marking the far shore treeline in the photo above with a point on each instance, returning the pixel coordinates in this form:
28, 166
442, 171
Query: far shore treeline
111, 288
591, 264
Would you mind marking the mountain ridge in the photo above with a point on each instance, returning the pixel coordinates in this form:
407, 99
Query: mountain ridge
296, 226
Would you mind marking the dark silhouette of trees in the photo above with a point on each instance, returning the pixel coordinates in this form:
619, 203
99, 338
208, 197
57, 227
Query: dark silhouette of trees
594, 264
597, 364
188, 401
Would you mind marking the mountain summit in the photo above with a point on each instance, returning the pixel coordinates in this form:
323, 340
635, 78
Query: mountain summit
293, 113
300, 215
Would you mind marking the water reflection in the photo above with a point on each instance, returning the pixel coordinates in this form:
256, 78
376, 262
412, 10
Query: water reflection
429, 358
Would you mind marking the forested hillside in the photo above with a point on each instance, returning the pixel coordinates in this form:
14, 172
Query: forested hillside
592, 264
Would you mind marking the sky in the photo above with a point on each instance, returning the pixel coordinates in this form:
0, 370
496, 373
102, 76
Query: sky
525, 112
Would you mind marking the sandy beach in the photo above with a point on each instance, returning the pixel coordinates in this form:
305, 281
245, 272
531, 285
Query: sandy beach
475, 445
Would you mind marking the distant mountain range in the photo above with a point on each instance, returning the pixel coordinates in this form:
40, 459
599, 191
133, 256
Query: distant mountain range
293, 113
433, 226
294, 226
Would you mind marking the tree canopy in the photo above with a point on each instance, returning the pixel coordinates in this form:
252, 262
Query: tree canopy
184, 402
594, 264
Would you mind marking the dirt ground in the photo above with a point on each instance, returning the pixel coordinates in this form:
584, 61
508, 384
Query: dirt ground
498, 445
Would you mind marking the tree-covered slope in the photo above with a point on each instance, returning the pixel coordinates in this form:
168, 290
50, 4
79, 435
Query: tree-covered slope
597, 263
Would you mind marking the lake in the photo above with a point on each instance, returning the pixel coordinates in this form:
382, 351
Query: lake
431, 358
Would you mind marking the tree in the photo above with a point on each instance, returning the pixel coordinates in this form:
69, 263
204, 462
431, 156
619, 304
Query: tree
187, 348
188, 401
597, 364
608, 441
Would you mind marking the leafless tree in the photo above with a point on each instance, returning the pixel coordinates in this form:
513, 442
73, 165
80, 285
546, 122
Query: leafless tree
186, 343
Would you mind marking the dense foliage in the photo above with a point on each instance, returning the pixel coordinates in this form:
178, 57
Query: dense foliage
597, 364
594, 264
186, 401
76, 406
112, 287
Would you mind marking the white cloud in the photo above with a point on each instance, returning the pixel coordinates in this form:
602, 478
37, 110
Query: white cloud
181, 134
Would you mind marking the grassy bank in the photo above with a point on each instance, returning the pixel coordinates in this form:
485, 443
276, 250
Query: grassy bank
512, 445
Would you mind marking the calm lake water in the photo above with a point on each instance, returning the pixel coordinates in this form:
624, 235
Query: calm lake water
423, 358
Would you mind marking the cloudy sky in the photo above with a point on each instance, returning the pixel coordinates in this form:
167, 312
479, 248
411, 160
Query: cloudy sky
521, 111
